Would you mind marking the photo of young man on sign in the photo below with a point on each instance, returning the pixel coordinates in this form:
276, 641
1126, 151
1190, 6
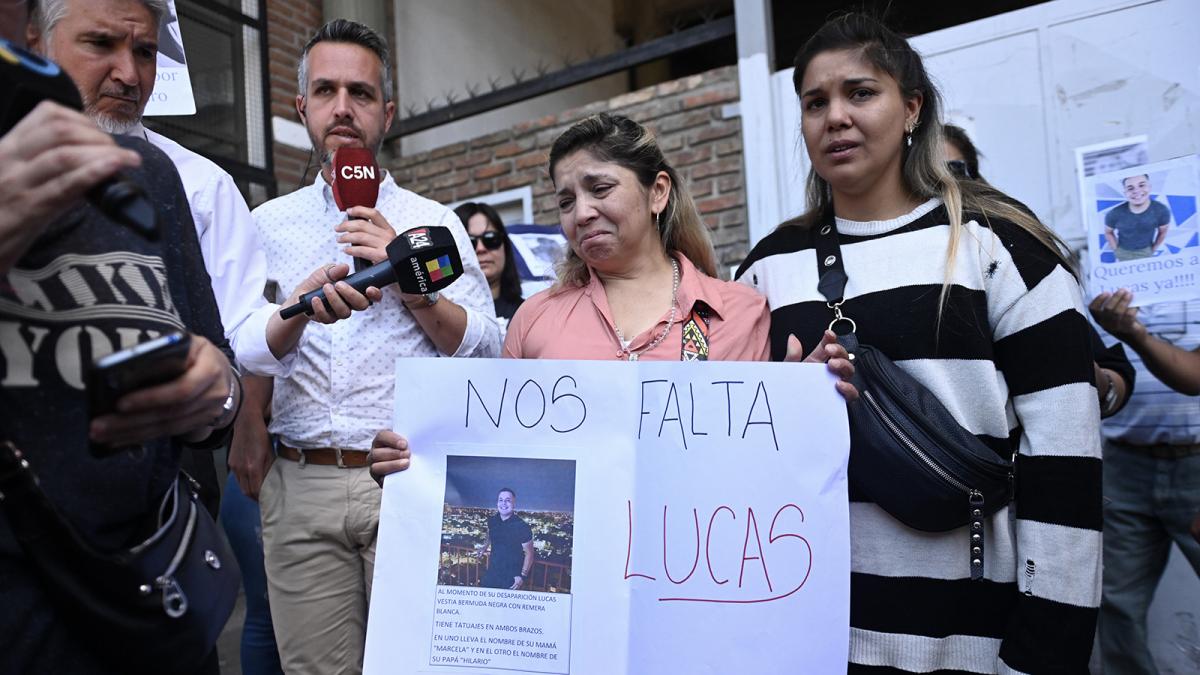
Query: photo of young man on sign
491, 538
1138, 227
1143, 233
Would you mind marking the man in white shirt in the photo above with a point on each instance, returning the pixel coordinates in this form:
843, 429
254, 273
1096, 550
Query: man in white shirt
320, 506
109, 49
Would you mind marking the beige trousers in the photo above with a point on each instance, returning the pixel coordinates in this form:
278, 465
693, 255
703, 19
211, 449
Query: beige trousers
319, 527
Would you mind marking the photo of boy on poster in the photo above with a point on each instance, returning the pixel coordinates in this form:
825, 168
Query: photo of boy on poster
488, 543
1143, 211
1143, 231
1137, 228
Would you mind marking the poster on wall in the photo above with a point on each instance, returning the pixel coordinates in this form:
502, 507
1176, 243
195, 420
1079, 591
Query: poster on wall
172, 93
539, 249
1113, 155
1143, 231
582, 517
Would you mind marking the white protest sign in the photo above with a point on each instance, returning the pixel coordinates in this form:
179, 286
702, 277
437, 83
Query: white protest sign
172, 93
1143, 231
672, 518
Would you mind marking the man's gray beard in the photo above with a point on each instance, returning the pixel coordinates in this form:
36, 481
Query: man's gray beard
112, 124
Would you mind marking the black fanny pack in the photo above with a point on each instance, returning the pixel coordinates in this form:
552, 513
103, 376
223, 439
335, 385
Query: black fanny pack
157, 607
907, 452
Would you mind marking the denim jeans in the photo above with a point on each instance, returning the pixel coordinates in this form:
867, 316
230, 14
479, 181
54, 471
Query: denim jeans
239, 516
1148, 504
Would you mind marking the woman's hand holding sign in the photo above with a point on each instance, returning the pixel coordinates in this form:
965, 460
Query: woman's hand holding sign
831, 353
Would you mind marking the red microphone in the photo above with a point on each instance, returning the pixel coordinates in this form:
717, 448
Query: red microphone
355, 183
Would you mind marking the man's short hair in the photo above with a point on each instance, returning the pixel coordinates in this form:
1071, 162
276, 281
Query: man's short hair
349, 32
1145, 175
46, 14
509, 491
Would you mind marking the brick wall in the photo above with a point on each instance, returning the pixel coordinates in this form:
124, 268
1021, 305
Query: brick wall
290, 23
704, 148
686, 114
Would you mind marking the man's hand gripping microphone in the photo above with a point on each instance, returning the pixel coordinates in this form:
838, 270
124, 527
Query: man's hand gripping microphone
420, 260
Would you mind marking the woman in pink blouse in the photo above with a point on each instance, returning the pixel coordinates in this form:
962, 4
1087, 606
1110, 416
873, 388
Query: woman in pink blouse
639, 281
640, 273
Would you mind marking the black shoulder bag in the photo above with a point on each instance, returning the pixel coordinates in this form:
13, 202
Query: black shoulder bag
157, 607
907, 452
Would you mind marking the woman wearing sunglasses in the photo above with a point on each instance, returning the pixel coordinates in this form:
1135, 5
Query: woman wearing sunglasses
962, 158
494, 250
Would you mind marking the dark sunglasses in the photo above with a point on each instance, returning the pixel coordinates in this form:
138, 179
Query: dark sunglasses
491, 240
959, 168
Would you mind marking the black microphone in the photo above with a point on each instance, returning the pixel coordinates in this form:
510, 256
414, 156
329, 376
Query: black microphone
26, 80
420, 260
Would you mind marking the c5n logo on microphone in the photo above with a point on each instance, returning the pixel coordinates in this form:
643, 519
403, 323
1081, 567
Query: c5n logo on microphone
358, 172
418, 239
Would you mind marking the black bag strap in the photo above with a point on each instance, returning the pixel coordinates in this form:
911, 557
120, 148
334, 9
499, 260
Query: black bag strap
832, 280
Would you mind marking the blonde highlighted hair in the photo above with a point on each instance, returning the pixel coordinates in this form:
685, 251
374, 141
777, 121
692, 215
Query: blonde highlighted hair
620, 140
924, 168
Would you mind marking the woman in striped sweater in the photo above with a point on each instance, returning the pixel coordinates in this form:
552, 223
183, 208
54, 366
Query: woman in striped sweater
973, 297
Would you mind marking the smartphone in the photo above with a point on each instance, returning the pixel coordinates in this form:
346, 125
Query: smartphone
145, 365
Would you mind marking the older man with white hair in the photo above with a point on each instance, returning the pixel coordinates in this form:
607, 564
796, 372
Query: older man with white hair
110, 48
76, 286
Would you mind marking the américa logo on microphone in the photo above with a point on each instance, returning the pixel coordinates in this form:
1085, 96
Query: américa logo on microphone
440, 268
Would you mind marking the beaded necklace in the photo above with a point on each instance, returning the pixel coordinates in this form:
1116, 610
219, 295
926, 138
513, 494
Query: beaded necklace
622, 342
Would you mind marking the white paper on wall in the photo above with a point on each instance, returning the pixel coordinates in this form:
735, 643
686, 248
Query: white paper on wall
1143, 231
172, 93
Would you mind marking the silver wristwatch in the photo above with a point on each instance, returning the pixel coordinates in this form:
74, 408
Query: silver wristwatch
431, 299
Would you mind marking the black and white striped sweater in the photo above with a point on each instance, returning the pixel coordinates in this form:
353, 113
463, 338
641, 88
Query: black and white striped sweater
1012, 364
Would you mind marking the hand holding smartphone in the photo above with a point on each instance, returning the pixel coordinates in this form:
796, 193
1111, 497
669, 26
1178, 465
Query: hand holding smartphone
145, 365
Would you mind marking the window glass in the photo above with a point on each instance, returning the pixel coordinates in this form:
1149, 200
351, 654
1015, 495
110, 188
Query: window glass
224, 58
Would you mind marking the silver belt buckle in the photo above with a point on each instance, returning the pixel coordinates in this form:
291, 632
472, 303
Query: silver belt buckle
337, 452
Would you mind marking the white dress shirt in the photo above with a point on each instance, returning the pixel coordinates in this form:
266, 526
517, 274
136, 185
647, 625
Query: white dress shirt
341, 390
232, 256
